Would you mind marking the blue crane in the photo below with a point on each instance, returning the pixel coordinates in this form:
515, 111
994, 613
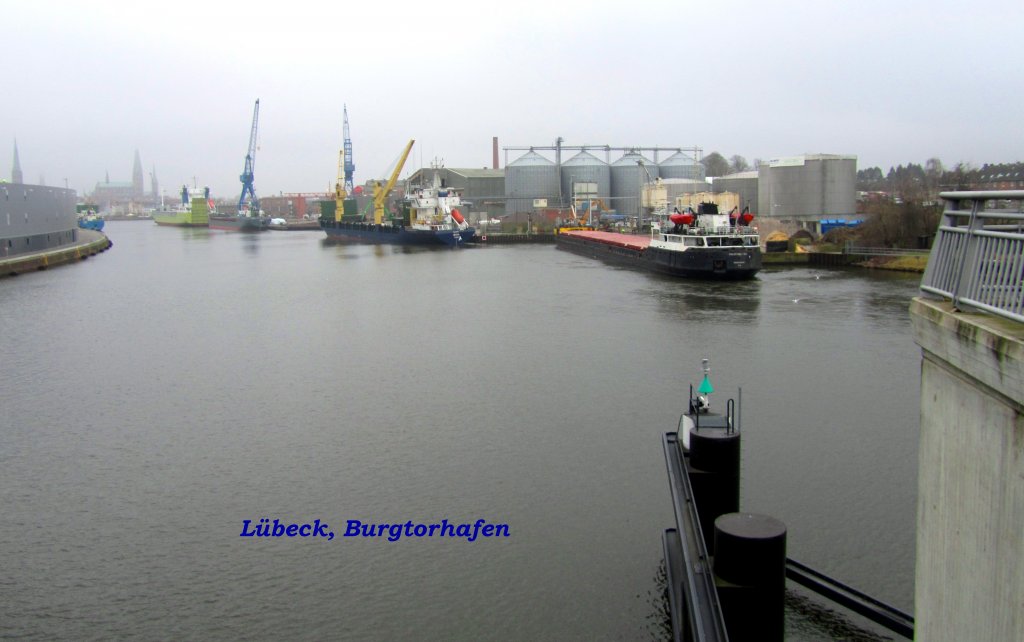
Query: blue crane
250, 164
350, 167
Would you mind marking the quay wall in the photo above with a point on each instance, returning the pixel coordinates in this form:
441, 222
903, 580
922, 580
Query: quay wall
89, 243
969, 582
505, 239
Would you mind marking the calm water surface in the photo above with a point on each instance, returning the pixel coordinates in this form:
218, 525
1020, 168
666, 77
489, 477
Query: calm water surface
156, 395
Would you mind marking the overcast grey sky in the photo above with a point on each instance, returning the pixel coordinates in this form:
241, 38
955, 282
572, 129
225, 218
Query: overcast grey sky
86, 84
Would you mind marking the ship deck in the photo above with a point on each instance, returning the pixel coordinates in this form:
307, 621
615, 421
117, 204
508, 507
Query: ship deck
613, 238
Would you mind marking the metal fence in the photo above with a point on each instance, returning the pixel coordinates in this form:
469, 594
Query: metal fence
850, 248
978, 256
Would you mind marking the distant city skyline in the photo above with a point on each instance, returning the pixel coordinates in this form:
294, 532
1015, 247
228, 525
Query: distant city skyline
889, 83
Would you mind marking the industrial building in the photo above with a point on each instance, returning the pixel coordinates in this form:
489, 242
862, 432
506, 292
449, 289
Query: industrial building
534, 182
34, 218
744, 184
294, 206
795, 191
803, 190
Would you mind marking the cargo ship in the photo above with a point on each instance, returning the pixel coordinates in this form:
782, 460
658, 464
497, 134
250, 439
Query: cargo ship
193, 210
242, 222
430, 216
701, 244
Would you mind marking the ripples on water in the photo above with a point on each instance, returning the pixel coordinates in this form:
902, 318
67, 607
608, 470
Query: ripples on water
157, 394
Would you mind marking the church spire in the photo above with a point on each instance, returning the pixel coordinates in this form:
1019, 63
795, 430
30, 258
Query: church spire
16, 176
138, 189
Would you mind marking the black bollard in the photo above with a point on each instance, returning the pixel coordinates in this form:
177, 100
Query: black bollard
750, 574
714, 470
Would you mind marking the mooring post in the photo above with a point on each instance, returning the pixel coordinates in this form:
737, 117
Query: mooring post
750, 575
714, 471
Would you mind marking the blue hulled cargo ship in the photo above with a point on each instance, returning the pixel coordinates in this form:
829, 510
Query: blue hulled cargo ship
430, 216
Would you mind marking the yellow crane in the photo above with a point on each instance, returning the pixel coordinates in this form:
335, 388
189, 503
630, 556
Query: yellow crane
381, 190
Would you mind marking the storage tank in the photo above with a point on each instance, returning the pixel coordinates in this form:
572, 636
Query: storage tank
529, 177
676, 187
808, 188
586, 168
627, 175
744, 184
680, 165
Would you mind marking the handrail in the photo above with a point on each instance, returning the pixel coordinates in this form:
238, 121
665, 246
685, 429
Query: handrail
979, 263
850, 248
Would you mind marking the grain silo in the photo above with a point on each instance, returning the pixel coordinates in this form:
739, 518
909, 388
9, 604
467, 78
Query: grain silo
627, 175
530, 177
680, 165
808, 188
586, 168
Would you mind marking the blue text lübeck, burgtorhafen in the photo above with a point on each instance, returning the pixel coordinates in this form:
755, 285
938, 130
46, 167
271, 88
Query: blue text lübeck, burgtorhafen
356, 528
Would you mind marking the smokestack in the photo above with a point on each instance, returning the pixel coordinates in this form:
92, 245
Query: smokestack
494, 144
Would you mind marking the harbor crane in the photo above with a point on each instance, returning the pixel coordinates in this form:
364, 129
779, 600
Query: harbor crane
350, 167
346, 168
250, 164
381, 189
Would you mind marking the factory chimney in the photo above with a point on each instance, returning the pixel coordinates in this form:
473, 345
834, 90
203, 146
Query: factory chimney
494, 152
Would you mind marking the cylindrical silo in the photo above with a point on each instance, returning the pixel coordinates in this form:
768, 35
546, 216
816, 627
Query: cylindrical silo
808, 187
743, 184
529, 177
586, 168
627, 175
680, 165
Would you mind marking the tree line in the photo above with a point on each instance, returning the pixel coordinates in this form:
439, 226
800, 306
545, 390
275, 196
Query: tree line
915, 181
717, 165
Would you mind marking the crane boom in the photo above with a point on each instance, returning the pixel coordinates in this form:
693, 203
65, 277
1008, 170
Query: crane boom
380, 192
250, 166
350, 167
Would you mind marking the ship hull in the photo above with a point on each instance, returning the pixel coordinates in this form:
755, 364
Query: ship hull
394, 235
240, 223
91, 224
718, 263
174, 220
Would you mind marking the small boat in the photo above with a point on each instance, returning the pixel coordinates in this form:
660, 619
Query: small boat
193, 210
702, 244
90, 221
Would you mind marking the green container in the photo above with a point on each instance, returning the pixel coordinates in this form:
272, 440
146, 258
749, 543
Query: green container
327, 209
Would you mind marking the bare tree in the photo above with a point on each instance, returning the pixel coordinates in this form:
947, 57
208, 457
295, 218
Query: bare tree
715, 165
933, 171
737, 164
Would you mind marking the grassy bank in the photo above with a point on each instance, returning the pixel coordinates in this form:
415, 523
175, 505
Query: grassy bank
898, 263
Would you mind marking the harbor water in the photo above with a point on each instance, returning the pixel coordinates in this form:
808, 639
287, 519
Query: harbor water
157, 395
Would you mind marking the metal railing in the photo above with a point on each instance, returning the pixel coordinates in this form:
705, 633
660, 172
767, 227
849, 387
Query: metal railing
850, 248
978, 256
